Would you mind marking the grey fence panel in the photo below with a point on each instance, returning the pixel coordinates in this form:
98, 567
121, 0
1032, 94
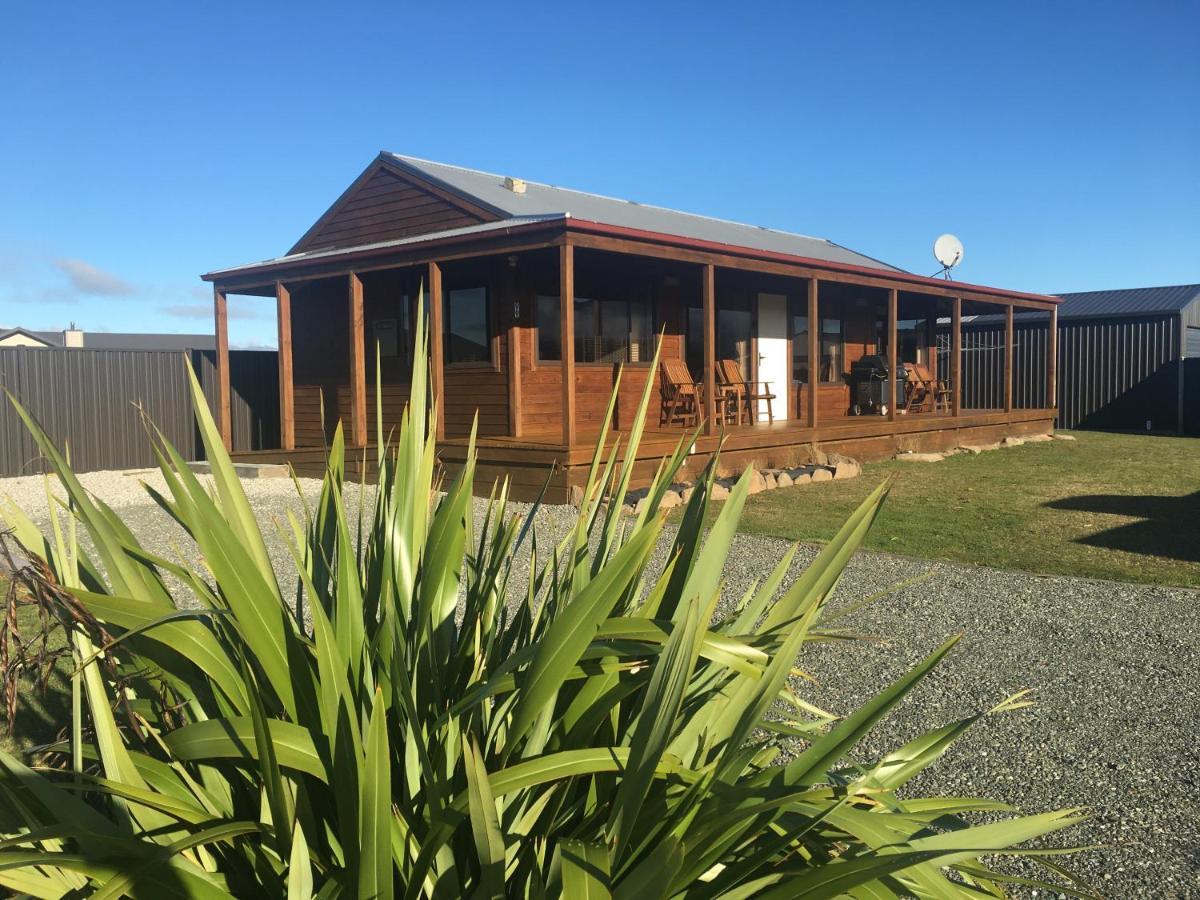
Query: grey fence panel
982, 367
1118, 373
1191, 395
254, 394
91, 402
1112, 373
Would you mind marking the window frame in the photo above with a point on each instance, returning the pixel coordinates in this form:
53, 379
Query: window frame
490, 361
538, 359
822, 318
840, 376
628, 302
693, 337
799, 344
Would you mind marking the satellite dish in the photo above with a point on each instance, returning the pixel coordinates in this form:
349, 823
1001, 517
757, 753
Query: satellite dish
948, 250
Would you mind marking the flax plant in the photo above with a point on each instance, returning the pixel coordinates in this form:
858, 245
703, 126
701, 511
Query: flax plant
411, 720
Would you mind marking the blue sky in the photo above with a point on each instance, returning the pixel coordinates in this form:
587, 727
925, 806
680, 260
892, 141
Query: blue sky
143, 145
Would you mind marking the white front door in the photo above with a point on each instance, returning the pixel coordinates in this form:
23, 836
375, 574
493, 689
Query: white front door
773, 354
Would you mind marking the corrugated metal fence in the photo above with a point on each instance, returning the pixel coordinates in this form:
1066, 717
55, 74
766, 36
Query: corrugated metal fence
1113, 373
89, 401
983, 365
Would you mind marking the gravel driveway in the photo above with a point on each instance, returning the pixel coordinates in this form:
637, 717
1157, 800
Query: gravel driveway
1115, 667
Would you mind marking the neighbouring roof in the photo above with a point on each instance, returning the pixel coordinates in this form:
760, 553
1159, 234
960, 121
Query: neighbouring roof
548, 200
1150, 301
52, 338
1130, 302
114, 340
110, 340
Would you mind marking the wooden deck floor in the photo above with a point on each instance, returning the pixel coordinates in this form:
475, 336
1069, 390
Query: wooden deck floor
528, 460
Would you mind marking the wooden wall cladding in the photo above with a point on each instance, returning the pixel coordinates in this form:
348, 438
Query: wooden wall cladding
541, 397
384, 207
482, 389
336, 400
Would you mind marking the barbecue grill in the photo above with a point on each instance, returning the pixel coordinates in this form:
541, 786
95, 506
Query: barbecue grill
868, 384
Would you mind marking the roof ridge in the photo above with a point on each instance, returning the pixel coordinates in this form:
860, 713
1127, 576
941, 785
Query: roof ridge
679, 212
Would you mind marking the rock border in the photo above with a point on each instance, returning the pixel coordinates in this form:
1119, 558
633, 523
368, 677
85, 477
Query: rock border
826, 467
976, 449
835, 467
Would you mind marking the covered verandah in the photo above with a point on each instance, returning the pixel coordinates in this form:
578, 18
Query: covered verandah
539, 377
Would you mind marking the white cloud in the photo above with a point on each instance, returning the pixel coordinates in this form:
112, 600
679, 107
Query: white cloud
205, 311
88, 279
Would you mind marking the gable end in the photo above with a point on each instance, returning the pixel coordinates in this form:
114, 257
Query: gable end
385, 204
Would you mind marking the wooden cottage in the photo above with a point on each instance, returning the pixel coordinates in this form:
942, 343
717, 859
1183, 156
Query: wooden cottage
772, 341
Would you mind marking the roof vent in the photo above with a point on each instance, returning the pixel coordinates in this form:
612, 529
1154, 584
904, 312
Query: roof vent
516, 185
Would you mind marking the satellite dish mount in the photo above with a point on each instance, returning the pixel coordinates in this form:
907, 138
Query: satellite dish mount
948, 250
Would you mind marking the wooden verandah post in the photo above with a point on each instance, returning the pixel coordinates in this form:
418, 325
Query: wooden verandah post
514, 289
893, 310
433, 300
814, 350
358, 368
708, 292
221, 323
287, 403
1008, 358
1052, 360
956, 357
566, 322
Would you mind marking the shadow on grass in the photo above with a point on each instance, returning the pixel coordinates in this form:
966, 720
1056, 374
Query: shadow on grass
1169, 526
41, 718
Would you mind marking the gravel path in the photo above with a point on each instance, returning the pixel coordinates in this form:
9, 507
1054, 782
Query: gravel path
1115, 667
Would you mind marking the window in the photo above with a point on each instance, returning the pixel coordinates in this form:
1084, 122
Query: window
394, 336
733, 337
829, 341
734, 328
549, 328
800, 348
467, 334
606, 331
614, 331
694, 352
912, 339
641, 332
587, 324
831, 351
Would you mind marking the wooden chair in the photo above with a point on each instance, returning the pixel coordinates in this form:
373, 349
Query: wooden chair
941, 393
744, 395
925, 393
680, 394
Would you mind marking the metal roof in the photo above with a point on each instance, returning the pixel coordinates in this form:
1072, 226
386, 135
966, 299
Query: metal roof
110, 340
549, 200
537, 205
1151, 301
1130, 302
52, 338
115, 340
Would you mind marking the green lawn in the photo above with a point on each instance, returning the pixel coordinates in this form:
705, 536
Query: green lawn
1116, 506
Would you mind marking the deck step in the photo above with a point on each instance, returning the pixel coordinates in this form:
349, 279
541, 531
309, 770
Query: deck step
245, 470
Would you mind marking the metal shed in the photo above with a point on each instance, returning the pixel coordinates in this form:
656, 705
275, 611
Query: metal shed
1128, 360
